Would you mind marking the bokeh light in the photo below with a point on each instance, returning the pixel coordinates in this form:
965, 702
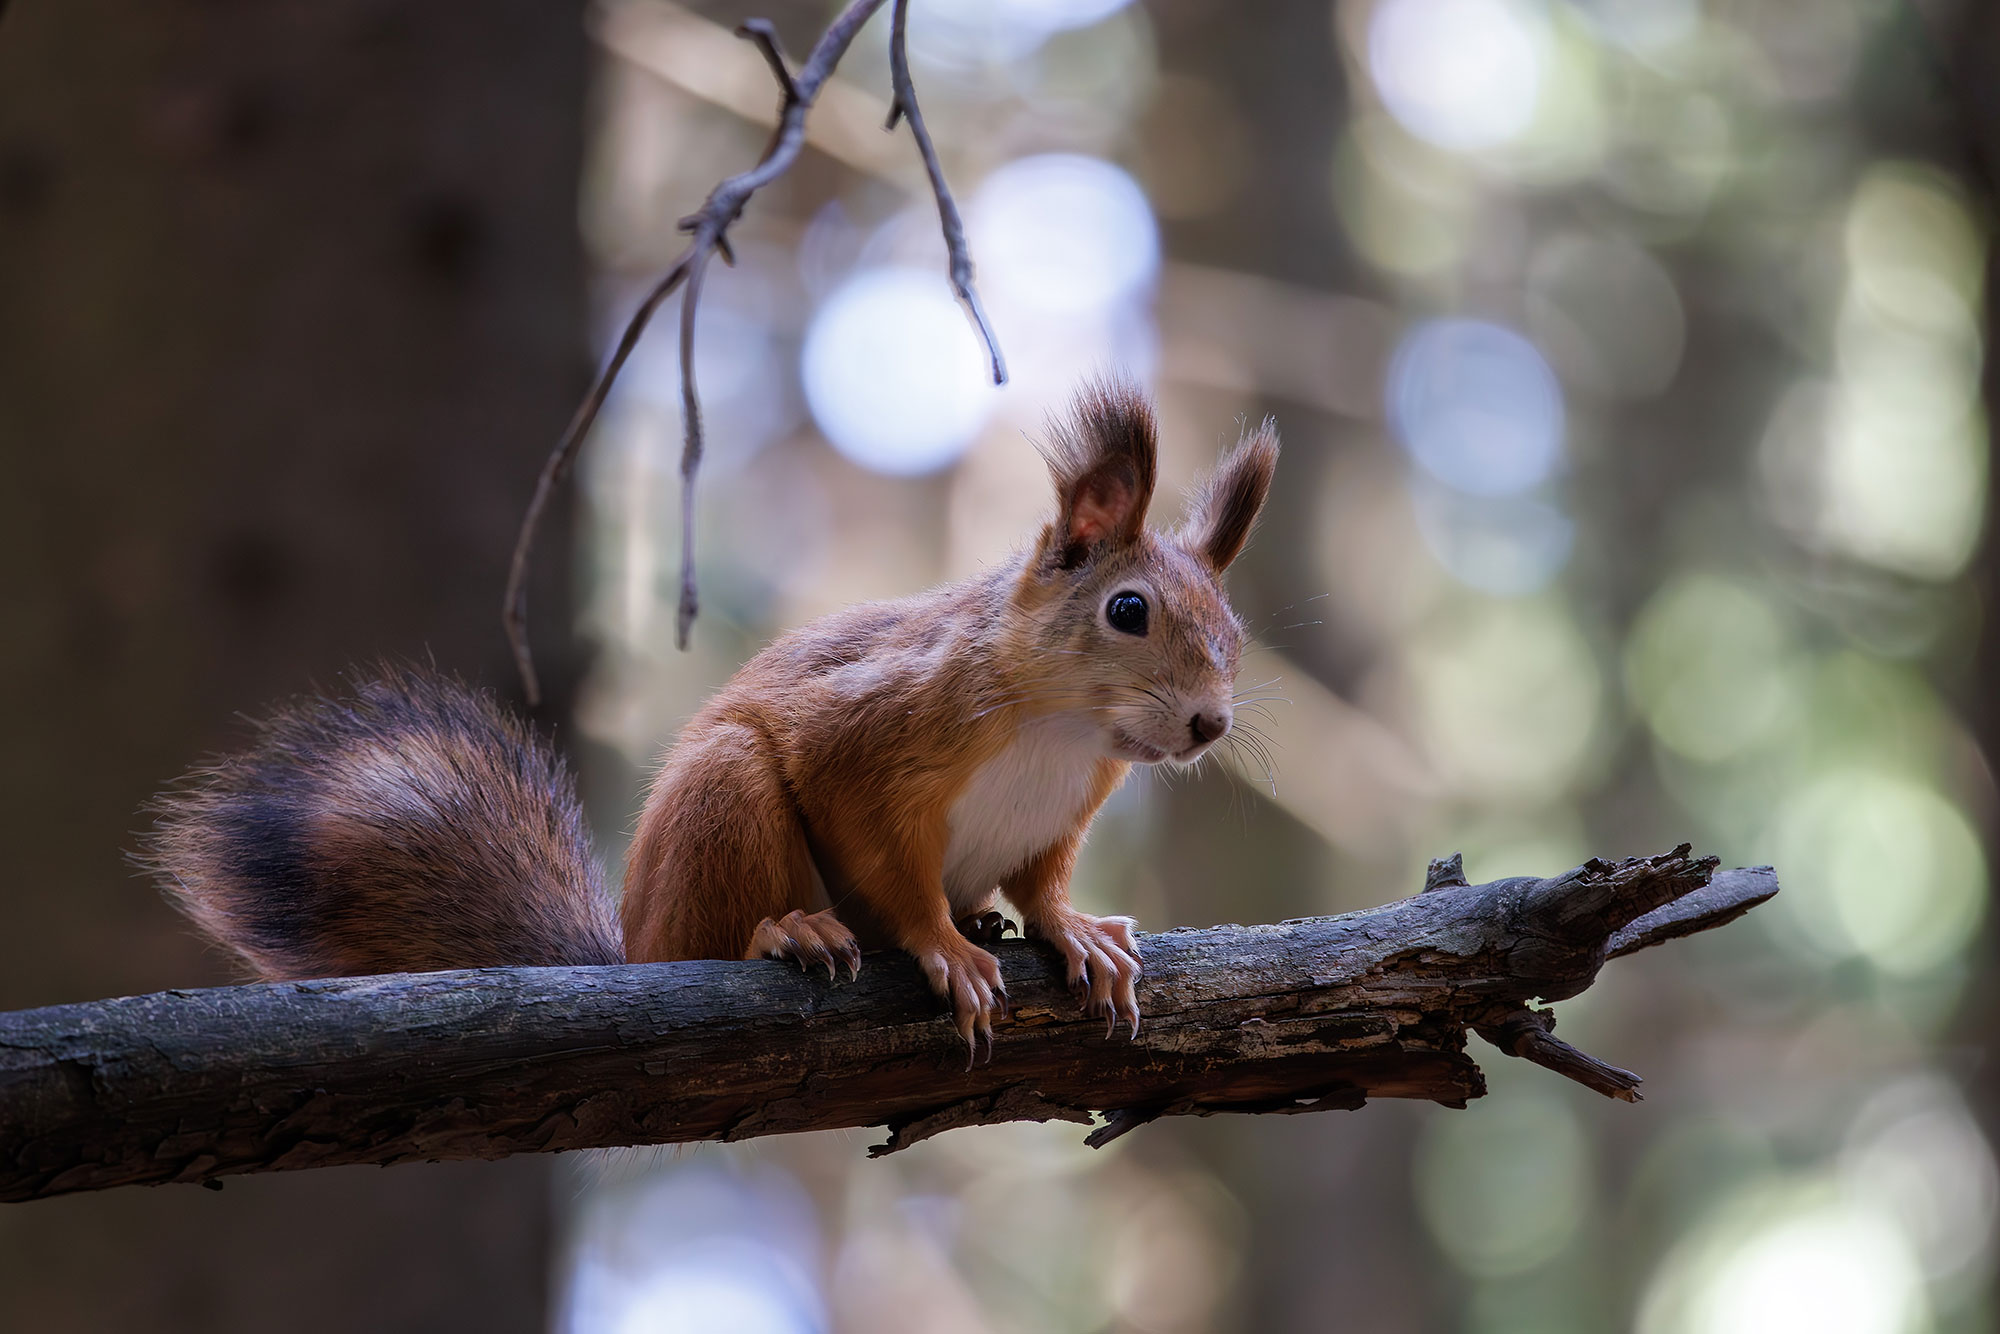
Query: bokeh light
1504, 1187
1914, 253
1063, 234
893, 373
1907, 500
1642, 25
1476, 406
1508, 546
692, 1252
1636, 403
1790, 1256
963, 36
1674, 150
1608, 314
1880, 866
1062, 15
1711, 665
1463, 74
1507, 698
1915, 1153
1887, 463
1402, 201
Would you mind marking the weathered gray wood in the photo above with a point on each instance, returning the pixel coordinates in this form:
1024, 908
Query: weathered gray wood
1305, 1015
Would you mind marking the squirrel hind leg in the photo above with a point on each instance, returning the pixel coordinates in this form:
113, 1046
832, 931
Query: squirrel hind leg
808, 939
720, 852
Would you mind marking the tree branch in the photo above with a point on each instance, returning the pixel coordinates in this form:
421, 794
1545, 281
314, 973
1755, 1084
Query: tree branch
709, 227
1308, 1015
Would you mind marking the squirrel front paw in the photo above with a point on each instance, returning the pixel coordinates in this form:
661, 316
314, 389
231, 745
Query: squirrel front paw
968, 979
807, 939
1103, 959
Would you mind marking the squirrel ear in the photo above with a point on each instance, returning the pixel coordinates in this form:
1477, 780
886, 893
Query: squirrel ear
1224, 508
1103, 459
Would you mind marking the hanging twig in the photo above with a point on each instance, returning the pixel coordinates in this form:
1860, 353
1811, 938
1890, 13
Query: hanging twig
765, 36
904, 105
690, 456
709, 227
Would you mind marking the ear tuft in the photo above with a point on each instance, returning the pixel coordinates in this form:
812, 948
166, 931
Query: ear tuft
1103, 458
1223, 509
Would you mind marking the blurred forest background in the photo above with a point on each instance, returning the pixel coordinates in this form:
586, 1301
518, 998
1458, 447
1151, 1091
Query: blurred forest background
1629, 356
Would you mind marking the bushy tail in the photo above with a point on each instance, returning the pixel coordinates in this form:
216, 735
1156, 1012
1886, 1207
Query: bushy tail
411, 827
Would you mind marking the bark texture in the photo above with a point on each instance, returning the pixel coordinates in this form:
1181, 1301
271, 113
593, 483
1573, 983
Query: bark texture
294, 302
1307, 1015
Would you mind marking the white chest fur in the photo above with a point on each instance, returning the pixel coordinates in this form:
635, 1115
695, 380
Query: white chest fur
1017, 804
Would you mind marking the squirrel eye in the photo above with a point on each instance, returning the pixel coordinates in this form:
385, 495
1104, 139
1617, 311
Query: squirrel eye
1127, 613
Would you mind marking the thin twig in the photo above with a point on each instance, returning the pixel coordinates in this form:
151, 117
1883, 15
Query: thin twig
514, 614
1528, 1033
709, 227
903, 104
691, 450
765, 36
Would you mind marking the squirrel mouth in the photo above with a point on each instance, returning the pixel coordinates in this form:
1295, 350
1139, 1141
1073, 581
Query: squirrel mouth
1131, 748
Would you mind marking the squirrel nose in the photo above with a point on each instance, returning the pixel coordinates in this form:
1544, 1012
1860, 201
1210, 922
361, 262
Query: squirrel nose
1206, 727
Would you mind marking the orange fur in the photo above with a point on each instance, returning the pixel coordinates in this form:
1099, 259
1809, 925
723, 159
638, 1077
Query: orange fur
844, 747
409, 827
870, 779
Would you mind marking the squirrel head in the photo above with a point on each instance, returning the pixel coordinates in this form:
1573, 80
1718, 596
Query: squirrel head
1130, 627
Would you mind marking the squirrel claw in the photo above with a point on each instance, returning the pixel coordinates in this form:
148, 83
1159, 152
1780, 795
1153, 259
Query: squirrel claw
1104, 965
974, 1031
807, 939
980, 1031
968, 979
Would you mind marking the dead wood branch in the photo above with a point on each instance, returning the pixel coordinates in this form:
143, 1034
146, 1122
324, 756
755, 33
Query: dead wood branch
1309, 1015
709, 226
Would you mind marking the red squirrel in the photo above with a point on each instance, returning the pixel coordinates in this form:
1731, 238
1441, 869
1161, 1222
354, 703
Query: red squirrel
876, 778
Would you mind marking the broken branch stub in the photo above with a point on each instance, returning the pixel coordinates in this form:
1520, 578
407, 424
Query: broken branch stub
1307, 1015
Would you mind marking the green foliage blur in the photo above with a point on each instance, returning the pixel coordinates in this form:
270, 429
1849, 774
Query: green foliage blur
1628, 357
